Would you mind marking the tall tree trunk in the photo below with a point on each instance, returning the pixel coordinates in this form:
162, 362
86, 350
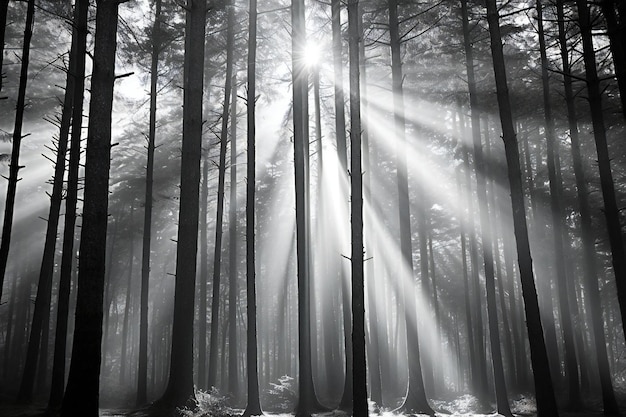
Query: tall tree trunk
79, 42
565, 311
44, 286
359, 368
233, 377
204, 274
142, 370
544, 391
217, 255
14, 165
81, 395
179, 389
587, 235
415, 400
611, 210
253, 408
307, 401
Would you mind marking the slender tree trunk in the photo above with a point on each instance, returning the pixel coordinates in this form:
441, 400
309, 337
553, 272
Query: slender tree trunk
81, 395
179, 389
611, 210
253, 408
587, 234
415, 400
233, 377
359, 368
217, 255
44, 286
565, 310
14, 165
79, 43
142, 370
544, 391
127, 303
307, 401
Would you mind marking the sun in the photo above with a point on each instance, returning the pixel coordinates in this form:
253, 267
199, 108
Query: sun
311, 54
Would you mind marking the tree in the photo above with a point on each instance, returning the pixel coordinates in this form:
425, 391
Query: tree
79, 38
415, 400
544, 391
611, 211
14, 165
359, 367
254, 405
217, 255
142, 370
589, 256
179, 390
4, 7
82, 393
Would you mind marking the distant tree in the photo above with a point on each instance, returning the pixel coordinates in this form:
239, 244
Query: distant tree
142, 371
253, 407
544, 391
82, 393
14, 164
179, 390
221, 185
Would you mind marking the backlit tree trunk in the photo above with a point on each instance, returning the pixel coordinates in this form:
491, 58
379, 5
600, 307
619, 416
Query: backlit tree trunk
82, 393
544, 391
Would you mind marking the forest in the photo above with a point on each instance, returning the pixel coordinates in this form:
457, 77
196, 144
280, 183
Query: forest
312, 207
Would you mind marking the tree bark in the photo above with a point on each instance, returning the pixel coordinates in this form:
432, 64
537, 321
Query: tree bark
179, 389
4, 7
142, 370
359, 367
233, 377
544, 391
617, 48
253, 407
221, 185
82, 393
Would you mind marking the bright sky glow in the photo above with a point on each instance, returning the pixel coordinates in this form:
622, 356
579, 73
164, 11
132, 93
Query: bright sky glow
312, 53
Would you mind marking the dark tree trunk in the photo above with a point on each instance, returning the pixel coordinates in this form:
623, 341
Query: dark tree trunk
142, 370
415, 400
204, 275
14, 165
44, 286
82, 393
253, 408
544, 391
127, 303
359, 368
217, 254
307, 400
233, 377
611, 210
565, 311
590, 270
179, 389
